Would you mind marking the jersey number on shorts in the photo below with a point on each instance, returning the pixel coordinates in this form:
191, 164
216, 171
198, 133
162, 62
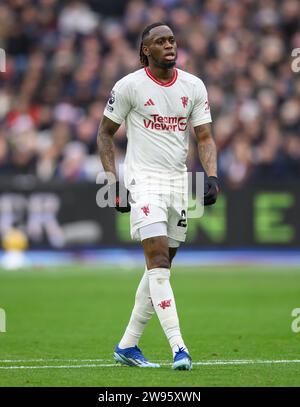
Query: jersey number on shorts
182, 221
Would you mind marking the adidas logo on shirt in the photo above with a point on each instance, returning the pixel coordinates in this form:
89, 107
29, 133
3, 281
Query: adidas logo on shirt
149, 103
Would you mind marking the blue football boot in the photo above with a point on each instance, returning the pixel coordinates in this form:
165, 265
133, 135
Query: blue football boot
182, 360
132, 357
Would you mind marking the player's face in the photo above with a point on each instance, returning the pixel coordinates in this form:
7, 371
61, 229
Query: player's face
160, 47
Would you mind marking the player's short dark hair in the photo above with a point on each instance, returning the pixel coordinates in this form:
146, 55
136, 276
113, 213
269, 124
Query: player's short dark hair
143, 57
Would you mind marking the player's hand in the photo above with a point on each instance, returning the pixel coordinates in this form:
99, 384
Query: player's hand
213, 188
120, 197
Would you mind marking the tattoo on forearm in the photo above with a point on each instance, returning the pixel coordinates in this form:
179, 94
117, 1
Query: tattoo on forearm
208, 156
106, 152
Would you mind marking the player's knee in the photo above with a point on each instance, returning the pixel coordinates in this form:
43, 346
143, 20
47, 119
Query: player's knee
172, 253
159, 260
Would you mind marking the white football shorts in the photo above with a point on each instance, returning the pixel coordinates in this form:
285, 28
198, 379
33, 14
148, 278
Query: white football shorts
151, 206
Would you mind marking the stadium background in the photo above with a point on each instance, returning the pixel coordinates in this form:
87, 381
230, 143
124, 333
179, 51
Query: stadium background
62, 59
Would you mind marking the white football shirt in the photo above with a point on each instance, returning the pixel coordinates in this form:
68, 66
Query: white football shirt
156, 115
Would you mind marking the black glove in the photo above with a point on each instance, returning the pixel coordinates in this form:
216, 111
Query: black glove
119, 197
212, 188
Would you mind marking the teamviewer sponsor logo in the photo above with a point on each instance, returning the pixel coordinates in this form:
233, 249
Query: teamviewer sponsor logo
169, 123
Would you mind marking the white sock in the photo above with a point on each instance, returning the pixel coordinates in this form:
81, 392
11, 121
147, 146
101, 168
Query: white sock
165, 307
141, 314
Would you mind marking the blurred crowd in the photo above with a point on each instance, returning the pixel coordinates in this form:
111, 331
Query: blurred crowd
63, 57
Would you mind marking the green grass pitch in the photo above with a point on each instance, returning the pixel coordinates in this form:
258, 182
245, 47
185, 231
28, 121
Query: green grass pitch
62, 325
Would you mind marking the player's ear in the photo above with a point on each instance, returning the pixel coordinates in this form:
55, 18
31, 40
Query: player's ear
145, 50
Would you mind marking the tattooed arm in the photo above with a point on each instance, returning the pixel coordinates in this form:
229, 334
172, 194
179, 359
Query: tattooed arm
206, 149
105, 143
208, 157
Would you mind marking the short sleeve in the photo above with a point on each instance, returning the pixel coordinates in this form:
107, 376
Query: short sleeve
201, 110
119, 104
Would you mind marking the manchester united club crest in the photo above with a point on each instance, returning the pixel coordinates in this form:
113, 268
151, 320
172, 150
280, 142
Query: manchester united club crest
146, 210
165, 304
184, 100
